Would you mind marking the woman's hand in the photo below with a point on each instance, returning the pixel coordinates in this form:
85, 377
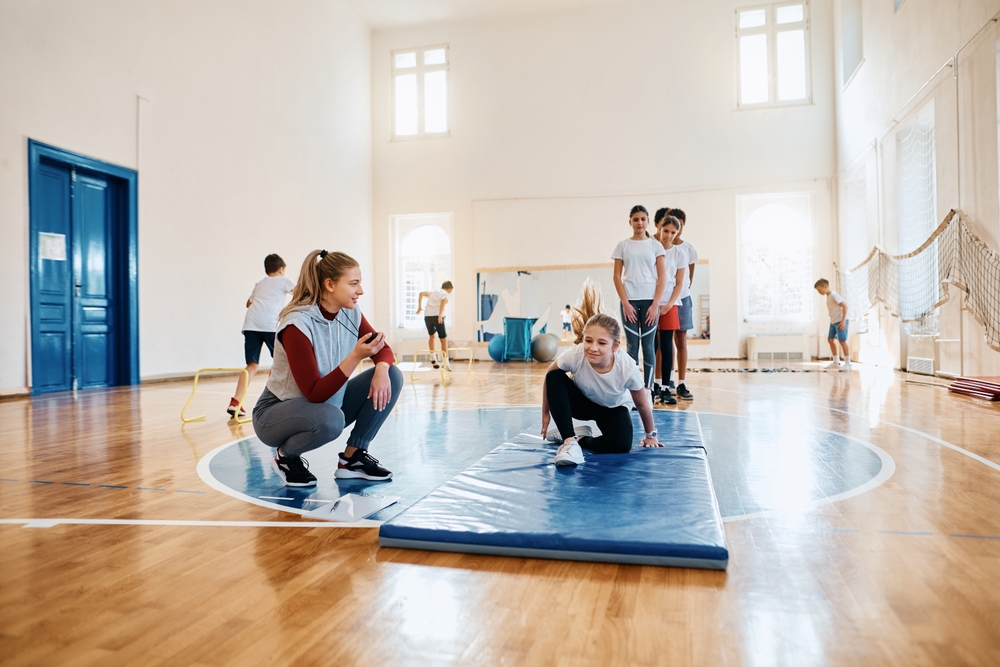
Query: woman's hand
628, 312
652, 315
380, 390
651, 442
364, 350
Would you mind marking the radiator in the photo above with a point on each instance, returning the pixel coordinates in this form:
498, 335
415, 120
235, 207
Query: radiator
921, 355
790, 347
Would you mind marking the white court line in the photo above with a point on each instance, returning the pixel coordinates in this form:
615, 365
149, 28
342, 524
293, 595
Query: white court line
935, 439
49, 523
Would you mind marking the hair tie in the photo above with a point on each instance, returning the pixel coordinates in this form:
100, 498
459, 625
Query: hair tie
322, 254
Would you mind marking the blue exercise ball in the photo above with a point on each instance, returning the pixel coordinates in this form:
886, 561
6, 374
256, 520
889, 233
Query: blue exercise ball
544, 347
495, 347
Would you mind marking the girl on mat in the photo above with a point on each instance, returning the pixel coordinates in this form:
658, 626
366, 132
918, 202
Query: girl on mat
640, 276
605, 382
676, 265
320, 341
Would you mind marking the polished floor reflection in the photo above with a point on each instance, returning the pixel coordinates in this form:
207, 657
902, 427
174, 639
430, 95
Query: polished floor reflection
863, 525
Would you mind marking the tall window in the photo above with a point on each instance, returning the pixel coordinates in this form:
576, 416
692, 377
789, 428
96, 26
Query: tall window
423, 260
772, 54
851, 32
777, 249
420, 92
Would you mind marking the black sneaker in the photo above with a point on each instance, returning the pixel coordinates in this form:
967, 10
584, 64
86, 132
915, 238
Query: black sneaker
682, 392
293, 470
361, 465
670, 388
666, 398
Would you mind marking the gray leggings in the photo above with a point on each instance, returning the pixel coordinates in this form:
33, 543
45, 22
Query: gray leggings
297, 426
638, 334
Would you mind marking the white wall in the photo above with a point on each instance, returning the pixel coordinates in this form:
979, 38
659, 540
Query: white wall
904, 53
256, 138
586, 113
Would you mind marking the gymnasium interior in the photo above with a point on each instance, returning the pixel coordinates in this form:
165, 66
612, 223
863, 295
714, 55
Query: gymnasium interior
800, 512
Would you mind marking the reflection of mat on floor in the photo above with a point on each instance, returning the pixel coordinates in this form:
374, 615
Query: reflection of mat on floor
651, 506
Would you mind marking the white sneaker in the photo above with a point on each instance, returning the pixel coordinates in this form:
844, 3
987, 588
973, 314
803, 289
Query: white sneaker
584, 431
581, 431
569, 454
832, 366
846, 366
554, 436
447, 365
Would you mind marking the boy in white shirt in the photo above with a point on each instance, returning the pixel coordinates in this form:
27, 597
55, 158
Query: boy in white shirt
266, 301
685, 309
837, 308
434, 318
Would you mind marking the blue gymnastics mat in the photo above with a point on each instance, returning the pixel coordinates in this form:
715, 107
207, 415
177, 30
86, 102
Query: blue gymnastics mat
650, 506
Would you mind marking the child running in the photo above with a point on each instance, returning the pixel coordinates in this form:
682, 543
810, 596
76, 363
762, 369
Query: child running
603, 379
640, 276
676, 264
265, 302
437, 301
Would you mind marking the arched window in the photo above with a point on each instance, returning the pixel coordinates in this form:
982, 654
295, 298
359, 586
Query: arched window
777, 258
423, 262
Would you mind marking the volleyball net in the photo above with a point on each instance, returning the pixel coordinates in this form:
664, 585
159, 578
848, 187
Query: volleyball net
913, 286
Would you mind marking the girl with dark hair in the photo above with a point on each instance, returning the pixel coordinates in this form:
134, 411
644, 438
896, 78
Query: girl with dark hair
603, 379
309, 400
640, 276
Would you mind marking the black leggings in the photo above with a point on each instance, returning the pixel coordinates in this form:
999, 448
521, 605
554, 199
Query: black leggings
666, 355
566, 401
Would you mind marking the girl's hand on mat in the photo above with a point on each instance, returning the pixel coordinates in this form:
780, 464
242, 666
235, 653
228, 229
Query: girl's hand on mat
651, 442
380, 390
365, 350
628, 311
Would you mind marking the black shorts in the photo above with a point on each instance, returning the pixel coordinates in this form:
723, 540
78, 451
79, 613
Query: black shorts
433, 326
252, 340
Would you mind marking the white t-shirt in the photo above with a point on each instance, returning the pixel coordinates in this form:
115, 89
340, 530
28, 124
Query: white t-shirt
833, 301
268, 298
639, 266
433, 307
567, 317
691, 257
610, 389
674, 259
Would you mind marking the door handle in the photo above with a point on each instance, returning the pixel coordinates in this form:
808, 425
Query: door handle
78, 286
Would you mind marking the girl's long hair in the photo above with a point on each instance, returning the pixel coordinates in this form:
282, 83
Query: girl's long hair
590, 311
317, 267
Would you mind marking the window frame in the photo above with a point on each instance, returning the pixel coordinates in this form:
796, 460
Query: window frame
771, 30
400, 226
420, 69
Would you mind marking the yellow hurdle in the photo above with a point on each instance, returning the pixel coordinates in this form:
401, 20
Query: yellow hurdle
441, 369
194, 388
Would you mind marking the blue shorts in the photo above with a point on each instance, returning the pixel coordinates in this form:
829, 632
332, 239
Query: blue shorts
684, 314
567, 327
836, 332
252, 340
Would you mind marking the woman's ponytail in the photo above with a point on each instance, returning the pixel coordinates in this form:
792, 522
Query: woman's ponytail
317, 267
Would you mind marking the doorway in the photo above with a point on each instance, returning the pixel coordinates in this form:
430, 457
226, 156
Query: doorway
83, 254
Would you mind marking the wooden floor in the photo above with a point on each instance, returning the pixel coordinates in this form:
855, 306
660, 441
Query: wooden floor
907, 573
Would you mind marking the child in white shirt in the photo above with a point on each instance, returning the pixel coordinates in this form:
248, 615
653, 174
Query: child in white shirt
837, 308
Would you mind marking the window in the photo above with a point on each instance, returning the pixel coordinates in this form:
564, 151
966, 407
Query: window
420, 92
850, 34
776, 240
772, 55
423, 260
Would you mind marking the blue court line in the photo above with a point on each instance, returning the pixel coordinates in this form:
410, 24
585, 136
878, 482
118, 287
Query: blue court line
148, 488
39, 481
75, 484
186, 491
101, 486
978, 537
902, 532
8, 479
111, 486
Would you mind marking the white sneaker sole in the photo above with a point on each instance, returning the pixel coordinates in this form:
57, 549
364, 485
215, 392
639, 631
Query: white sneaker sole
281, 474
358, 474
567, 460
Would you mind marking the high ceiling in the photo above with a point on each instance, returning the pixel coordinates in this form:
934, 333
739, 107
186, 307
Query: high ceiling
396, 13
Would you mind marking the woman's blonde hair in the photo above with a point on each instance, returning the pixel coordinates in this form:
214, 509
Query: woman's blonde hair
590, 312
317, 267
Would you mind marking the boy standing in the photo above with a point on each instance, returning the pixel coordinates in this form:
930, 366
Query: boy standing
685, 308
434, 319
265, 302
567, 322
837, 307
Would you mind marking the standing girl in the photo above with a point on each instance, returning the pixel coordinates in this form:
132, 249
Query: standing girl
321, 338
685, 309
677, 270
603, 379
640, 276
